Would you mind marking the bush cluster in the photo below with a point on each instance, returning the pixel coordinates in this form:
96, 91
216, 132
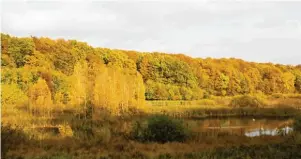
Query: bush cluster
160, 129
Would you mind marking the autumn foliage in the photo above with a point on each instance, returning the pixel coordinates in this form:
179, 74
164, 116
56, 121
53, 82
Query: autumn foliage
48, 75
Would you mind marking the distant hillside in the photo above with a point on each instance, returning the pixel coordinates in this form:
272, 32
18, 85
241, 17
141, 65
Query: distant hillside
64, 72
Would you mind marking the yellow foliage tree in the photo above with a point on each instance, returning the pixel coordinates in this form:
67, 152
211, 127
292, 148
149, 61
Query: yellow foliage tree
117, 92
40, 101
79, 81
12, 96
288, 80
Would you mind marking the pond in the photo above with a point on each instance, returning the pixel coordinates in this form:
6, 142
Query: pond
202, 127
241, 126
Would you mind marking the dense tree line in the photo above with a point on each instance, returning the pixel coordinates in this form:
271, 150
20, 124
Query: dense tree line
39, 72
45, 75
169, 76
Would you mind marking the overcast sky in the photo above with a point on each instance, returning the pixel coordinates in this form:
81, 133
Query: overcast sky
254, 31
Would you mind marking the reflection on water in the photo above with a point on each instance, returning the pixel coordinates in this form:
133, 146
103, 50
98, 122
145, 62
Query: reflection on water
246, 127
272, 132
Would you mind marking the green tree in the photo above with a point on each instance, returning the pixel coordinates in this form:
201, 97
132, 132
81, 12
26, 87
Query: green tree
18, 48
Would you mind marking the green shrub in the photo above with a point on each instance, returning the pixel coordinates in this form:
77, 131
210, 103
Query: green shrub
246, 101
297, 124
139, 131
160, 129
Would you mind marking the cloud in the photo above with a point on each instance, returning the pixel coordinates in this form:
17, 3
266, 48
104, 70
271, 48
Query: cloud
251, 30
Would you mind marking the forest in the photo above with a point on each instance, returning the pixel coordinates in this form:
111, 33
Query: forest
45, 81
67, 72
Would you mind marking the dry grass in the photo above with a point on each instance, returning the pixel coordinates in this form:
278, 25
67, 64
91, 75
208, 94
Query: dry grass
132, 149
112, 137
166, 107
284, 102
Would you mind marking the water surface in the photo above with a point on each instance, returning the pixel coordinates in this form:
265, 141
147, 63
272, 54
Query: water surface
240, 126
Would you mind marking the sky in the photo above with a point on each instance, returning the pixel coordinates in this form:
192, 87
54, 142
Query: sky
259, 31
